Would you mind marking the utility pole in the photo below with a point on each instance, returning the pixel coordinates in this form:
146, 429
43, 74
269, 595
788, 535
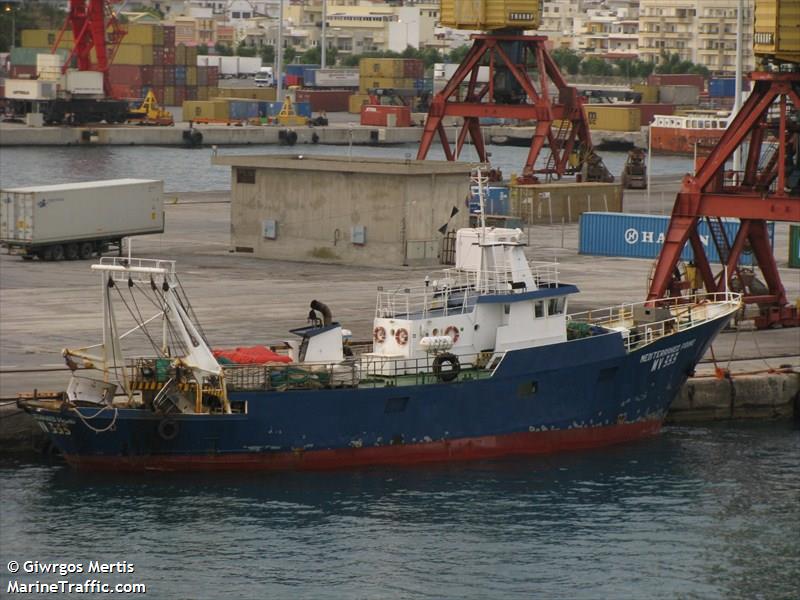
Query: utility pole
279, 58
737, 101
324, 42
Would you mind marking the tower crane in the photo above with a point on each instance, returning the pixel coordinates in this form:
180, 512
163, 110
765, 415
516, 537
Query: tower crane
521, 75
767, 131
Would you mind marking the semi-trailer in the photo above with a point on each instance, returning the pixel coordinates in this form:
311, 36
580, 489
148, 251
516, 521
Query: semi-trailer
79, 220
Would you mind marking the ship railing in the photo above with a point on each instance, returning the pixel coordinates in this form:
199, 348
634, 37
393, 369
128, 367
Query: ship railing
685, 312
139, 270
456, 290
365, 371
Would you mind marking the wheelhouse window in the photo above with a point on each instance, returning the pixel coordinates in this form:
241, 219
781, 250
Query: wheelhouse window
538, 309
555, 306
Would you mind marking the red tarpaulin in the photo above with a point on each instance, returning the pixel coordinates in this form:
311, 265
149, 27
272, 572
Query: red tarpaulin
254, 355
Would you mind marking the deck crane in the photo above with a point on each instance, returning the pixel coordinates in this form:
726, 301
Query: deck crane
767, 131
520, 79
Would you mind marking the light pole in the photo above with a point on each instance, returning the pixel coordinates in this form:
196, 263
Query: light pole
324, 64
279, 57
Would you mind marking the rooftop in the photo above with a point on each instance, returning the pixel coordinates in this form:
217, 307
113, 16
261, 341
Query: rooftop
306, 162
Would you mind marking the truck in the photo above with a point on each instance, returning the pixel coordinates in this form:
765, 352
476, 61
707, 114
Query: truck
79, 220
238, 67
264, 77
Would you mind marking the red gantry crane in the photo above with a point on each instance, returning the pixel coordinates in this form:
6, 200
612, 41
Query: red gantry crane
521, 75
94, 27
767, 132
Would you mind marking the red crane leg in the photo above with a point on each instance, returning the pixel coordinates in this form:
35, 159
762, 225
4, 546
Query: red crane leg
701, 261
762, 251
511, 93
678, 232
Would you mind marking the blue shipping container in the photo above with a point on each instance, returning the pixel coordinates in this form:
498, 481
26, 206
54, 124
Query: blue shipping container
298, 69
243, 109
641, 236
496, 201
310, 76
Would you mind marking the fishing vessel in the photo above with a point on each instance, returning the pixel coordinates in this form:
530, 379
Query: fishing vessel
481, 361
682, 134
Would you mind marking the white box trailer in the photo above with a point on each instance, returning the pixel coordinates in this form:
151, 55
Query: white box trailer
79, 220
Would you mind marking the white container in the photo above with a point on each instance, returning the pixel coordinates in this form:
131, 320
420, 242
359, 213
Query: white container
84, 83
249, 65
30, 89
333, 78
71, 212
48, 66
229, 66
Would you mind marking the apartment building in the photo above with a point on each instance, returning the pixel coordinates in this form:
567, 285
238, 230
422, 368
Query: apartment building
702, 31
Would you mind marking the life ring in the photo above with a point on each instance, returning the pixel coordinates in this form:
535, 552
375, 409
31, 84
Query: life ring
451, 373
452, 331
379, 334
168, 430
401, 337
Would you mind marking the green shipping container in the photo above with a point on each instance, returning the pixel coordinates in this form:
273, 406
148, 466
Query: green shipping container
794, 246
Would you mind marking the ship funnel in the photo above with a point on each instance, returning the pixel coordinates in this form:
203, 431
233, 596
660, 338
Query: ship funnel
327, 318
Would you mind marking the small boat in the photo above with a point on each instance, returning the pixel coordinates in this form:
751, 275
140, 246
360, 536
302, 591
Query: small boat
479, 362
676, 134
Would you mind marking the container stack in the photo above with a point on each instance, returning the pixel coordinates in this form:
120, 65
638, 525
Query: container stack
237, 110
148, 59
391, 73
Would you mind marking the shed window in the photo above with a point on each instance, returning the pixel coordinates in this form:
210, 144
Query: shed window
245, 175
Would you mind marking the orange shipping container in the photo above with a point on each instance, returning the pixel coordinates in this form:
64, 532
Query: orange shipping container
385, 116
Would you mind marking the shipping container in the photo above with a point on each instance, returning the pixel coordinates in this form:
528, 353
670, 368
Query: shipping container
642, 236
310, 76
169, 95
213, 76
57, 220
335, 78
649, 92
252, 93
776, 31
30, 89
133, 75
134, 55
191, 56
356, 102
648, 111
169, 35
242, 110
84, 83
213, 110
725, 87
124, 91
490, 14
22, 72
388, 68
692, 79
191, 76
606, 117
180, 54
495, 199
371, 83
298, 69
146, 34
385, 116
413, 68
44, 38
794, 246
682, 95
202, 92
327, 100
28, 56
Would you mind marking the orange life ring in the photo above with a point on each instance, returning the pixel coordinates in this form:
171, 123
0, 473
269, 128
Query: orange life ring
401, 337
379, 334
452, 331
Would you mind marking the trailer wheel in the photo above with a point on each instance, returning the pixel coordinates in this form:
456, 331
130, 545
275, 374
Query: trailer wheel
46, 253
57, 252
86, 250
71, 252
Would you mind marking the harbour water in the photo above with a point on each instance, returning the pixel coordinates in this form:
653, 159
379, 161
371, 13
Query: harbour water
188, 170
701, 512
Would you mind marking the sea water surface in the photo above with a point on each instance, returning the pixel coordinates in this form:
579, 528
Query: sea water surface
190, 170
701, 512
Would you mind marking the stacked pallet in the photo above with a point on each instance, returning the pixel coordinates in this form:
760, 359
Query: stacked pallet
148, 59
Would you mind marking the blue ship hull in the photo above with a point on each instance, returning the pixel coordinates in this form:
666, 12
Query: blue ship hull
577, 394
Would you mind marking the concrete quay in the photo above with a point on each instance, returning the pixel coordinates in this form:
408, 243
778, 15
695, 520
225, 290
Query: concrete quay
241, 300
340, 132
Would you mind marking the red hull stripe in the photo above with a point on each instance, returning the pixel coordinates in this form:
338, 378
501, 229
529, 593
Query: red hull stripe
478, 448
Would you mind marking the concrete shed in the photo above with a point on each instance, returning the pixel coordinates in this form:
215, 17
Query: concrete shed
362, 211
